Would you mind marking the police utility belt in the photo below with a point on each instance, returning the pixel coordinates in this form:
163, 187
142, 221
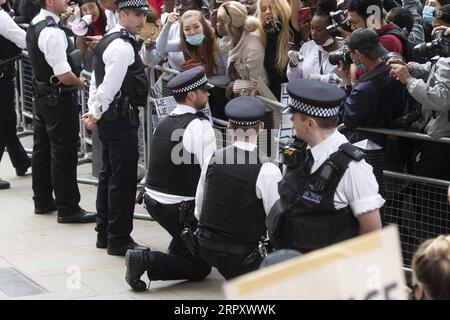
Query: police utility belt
121, 107
53, 91
254, 252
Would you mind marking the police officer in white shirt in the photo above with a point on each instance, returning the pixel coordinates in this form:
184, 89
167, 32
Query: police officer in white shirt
181, 143
56, 120
328, 193
232, 219
118, 86
12, 41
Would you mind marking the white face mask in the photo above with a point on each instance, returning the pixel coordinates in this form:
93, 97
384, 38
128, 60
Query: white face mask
329, 41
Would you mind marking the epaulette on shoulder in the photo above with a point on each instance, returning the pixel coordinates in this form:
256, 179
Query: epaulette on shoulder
353, 152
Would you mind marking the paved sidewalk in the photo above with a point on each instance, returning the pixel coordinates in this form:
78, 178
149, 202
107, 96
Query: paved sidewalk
51, 254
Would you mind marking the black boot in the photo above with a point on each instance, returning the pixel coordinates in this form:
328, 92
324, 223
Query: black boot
137, 262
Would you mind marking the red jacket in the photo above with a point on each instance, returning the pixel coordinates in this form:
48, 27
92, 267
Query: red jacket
389, 41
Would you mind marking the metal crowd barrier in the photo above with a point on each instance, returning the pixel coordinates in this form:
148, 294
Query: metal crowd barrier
418, 205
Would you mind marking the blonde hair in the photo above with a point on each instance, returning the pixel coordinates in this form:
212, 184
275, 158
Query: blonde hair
431, 267
281, 11
235, 19
209, 44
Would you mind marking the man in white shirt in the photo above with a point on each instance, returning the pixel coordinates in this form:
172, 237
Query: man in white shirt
232, 219
56, 120
12, 41
328, 193
181, 144
118, 87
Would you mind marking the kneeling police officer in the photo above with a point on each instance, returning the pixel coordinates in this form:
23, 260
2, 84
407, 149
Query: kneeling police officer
232, 219
328, 193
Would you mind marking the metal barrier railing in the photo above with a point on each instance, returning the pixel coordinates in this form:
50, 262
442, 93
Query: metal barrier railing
417, 204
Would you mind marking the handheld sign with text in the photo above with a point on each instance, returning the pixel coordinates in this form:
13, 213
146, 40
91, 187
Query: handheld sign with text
363, 268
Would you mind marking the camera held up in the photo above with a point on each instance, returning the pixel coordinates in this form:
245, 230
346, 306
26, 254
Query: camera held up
340, 21
439, 46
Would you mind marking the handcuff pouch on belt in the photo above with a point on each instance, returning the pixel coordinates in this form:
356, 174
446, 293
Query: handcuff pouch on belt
187, 218
121, 108
52, 91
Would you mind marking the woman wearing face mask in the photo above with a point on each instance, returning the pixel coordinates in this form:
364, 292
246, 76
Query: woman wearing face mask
431, 270
198, 43
427, 15
279, 26
315, 52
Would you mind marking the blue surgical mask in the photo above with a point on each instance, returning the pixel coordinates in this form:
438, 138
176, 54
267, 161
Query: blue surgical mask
195, 40
427, 14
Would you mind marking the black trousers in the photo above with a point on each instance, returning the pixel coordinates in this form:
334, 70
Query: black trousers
229, 265
8, 120
178, 263
117, 181
54, 161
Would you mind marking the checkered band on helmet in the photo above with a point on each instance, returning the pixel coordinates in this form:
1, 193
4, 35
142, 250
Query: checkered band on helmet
133, 4
244, 123
191, 86
313, 110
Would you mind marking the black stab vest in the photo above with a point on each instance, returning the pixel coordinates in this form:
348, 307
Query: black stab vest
230, 206
164, 175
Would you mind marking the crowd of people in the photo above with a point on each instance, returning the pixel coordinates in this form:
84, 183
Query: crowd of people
363, 63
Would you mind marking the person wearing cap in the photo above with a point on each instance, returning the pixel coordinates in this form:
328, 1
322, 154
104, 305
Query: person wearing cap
429, 84
118, 87
232, 219
181, 143
12, 41
56, 121
328, 193
378, 98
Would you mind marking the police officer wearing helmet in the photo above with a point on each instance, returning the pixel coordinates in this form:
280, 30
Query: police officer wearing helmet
181, 143
328, 193
232, 219
118, 86
56, 66
12, 41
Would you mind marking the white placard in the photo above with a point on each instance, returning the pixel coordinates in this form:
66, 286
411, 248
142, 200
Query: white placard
164, 106
365, 267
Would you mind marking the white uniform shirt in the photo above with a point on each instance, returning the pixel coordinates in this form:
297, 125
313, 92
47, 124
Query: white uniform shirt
11, 31
53, 44
358, 186
198, 139
266, 183
117, 57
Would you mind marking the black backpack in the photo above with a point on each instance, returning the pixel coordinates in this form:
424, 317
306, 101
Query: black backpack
408, 47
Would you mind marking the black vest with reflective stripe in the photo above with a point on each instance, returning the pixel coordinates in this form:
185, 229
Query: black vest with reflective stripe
135, 84
304, 218
41, 69
230, 206
173, 170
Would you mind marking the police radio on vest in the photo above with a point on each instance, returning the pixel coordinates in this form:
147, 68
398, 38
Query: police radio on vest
80, 27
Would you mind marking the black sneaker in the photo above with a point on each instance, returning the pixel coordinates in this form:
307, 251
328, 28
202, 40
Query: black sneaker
137, 262
121, 251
